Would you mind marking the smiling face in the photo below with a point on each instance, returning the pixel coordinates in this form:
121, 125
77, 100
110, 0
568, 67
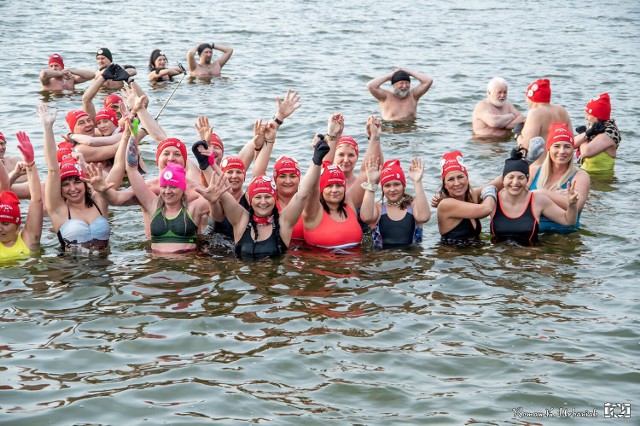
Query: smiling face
170, 154
106, 127
346, 158
236, 179
456, 183
171, 195
515, 182
160, 62
263, 204
73, 189
393, 190
561, 153
401, 88
287, 184
84, 126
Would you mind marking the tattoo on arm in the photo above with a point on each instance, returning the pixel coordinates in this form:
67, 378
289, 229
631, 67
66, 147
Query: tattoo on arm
132, 152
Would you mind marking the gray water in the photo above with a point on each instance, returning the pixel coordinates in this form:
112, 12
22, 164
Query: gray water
429, 335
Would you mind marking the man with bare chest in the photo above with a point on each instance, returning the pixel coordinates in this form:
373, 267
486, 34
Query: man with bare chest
401, 104
55, 78
207, 66
495, 116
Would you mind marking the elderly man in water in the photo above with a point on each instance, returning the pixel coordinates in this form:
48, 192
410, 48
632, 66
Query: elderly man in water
495, 116
401, 104
207, 66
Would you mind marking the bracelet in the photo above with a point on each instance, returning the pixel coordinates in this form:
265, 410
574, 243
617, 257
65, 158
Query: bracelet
277, 120
369, 186
257, 149
30, 164
330, 137
376, 138
268, 141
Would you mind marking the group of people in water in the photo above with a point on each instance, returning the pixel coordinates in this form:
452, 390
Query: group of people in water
331, 205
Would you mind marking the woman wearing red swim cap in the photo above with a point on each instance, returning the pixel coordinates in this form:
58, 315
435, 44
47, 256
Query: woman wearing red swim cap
16, 242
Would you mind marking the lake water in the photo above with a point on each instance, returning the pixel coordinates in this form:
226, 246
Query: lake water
430, 335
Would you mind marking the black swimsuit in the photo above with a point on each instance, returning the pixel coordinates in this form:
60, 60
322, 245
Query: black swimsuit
522, 229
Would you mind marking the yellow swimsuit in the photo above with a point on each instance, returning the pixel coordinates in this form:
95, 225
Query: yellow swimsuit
18, 250
601, 162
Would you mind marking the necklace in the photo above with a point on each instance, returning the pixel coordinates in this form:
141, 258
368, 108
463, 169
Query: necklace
395, 203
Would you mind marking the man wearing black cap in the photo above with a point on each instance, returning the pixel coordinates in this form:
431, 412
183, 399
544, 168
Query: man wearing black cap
206, 66
402, 103
104, 59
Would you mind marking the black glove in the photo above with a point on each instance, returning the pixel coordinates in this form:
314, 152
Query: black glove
321, 149
595, 129
581, 129
518, 129
115, 72
203, 160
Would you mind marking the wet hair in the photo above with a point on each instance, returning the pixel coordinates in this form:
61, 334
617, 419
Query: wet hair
202, 47
152, 59
88, 200
341, 206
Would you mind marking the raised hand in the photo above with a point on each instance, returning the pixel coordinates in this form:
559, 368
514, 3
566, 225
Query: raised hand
217, 186
287, 106
204, 130
258, 135
572, 195
25, 147
335, 126
416, 170
374, 127
47, 115
320, 150
95, 179
270, 132
204, 154
373, 170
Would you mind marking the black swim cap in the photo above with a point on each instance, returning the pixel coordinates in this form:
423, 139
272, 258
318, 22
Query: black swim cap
104, 52
204, 46
516, 163
400, 76
152, 60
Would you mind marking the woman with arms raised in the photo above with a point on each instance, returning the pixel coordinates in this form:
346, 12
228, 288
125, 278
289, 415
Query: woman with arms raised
262, 231
396, 222
78, 214
15, 242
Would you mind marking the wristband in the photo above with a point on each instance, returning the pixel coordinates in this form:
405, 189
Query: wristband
331, 137
369, 186
277, 120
